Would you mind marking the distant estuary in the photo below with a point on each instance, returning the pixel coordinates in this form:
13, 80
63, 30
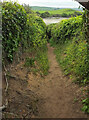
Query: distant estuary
51, 20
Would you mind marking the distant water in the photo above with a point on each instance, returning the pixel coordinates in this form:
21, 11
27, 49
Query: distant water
51, 20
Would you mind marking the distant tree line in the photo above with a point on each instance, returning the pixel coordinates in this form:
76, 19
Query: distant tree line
47, 14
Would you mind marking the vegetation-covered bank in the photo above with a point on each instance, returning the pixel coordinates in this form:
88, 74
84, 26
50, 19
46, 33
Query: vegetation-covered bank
22, 31
72, 50
24, 56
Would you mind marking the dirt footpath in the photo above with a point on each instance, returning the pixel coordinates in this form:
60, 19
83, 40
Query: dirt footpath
33, 96
61, 97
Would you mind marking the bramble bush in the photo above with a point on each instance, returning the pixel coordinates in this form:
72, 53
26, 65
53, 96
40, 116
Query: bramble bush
71, 42
22, 28
14, 20
63, 31
73, 55
86, 35
24, 32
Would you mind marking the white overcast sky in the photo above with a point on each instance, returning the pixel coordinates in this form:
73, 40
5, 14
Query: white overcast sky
51, 3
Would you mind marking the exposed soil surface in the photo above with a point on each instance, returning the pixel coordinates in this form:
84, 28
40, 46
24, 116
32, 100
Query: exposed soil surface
52, 96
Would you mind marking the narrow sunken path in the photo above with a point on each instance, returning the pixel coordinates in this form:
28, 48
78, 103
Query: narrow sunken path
58, 93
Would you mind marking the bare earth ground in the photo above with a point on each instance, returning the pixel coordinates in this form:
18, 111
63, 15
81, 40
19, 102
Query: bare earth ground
54, 96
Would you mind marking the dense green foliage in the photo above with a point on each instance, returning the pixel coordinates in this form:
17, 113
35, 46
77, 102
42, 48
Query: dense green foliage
58, 13
73, 54
86, 24
24, 32
14, 22
20, 29
63, 31
86, 35
72, 50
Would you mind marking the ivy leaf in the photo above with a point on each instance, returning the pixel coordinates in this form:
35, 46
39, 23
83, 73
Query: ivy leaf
85, 107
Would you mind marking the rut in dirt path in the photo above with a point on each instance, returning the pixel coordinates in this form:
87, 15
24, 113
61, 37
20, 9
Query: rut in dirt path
58, 93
